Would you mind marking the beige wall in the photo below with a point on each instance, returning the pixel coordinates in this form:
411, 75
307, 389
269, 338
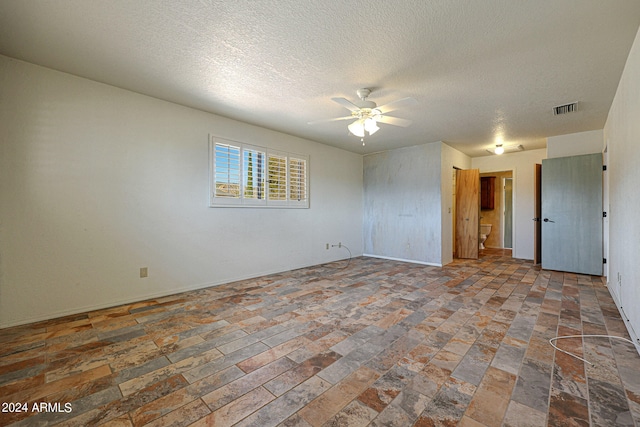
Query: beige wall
97, 182
622, 136
575, 144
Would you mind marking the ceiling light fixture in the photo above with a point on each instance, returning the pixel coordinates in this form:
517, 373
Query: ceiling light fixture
362, 125
505, 148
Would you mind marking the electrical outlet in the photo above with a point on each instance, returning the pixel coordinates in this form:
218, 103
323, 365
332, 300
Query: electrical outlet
144, 272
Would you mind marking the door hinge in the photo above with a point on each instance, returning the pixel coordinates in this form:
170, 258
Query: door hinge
604, 260
604, 214
604, 167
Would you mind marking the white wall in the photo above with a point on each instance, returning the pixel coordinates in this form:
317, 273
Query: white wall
402, 204
575, 144
96, 182
522, 165
622, 137
450, 158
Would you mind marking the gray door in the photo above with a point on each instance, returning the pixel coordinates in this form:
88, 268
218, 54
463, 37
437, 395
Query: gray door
572, 214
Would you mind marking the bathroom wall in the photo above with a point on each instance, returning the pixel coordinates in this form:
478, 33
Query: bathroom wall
495, 216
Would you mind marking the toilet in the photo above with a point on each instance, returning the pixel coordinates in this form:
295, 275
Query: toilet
485, 229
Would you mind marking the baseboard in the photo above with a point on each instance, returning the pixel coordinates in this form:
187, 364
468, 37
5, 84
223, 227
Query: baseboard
632, 333
403, 260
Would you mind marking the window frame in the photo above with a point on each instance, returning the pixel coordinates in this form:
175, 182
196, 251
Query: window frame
216, 200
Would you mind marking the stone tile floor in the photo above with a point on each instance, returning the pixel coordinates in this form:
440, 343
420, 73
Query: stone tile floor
379, 343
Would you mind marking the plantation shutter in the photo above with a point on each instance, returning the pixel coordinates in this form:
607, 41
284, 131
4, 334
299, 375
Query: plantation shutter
226, 171
277, 171
297, 180
253, 175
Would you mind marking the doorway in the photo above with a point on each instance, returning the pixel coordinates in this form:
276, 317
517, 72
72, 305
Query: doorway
500, 213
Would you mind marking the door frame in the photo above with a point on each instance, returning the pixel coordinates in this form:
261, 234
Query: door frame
504, 209
537, 213
605, 208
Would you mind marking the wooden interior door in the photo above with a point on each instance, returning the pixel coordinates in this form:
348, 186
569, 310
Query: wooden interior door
537, 214
572, 214
467, 213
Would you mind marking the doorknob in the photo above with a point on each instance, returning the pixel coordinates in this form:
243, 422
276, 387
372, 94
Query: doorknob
547, 220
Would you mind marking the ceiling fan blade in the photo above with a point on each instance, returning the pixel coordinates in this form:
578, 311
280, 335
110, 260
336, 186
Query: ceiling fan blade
346, 104
394, 121
330, 120
400, 103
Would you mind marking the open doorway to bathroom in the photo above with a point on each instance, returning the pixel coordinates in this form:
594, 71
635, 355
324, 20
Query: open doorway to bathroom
499, 213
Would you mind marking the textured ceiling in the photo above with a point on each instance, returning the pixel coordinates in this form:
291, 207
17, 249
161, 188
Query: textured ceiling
478, 69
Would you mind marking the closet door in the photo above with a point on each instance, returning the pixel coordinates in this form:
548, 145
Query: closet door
572, 214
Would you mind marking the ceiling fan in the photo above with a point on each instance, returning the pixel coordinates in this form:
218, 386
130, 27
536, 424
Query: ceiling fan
367, 114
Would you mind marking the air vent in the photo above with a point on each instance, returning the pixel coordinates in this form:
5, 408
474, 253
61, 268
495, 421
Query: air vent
565, 109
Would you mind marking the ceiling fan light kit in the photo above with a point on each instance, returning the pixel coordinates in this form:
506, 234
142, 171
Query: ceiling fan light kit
371, 126
367, 114
357, 128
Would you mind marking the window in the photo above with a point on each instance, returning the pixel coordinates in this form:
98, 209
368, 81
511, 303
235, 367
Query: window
247, 175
